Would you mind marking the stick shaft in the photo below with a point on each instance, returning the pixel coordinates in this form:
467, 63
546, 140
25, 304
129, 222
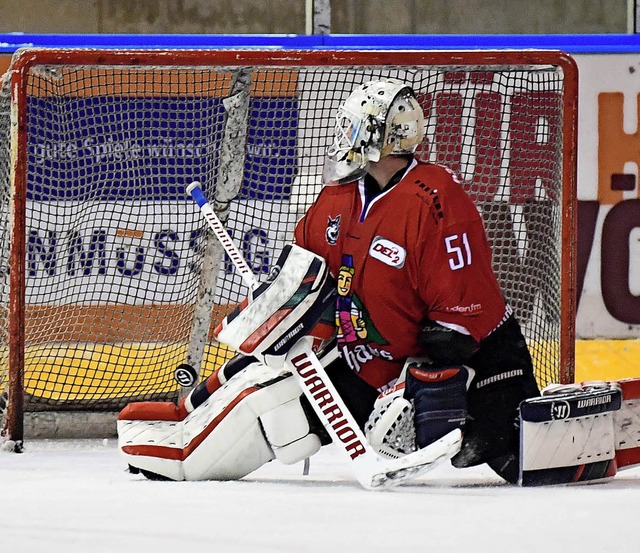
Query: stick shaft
222, 235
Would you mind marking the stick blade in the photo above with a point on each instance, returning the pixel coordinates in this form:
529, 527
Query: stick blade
418, 463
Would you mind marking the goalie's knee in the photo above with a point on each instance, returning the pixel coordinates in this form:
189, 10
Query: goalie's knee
491, 433
249, 421
288, 431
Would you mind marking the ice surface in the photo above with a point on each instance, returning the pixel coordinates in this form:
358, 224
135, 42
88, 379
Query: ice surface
75, 496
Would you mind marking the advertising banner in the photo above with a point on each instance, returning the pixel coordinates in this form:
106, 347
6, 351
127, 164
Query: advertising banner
107, 207
608, 280
608, 196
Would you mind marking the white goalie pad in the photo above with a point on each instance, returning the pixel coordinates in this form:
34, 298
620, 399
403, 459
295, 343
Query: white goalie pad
568, 435
627, 425
626, 419
252, 419
281, 311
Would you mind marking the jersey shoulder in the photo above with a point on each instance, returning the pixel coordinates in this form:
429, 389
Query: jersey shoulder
334, 199
338, 190
440, 189
324, 215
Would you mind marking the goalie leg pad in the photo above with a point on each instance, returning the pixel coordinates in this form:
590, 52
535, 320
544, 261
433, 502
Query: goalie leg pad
626, 420
627, 424
226, 437
568, 435
229, 369
287, 429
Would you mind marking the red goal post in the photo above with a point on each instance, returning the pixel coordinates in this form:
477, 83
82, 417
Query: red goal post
109, 280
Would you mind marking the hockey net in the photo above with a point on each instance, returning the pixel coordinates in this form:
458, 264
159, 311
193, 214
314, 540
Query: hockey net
108, 277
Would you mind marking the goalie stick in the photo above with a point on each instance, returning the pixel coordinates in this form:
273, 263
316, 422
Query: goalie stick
371, 470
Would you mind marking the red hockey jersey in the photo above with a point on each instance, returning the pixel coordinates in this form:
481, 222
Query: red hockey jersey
416, 251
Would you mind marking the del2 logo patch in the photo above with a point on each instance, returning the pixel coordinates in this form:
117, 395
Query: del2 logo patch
388, 252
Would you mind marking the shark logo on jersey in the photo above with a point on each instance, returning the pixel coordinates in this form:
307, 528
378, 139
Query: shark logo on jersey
333, 230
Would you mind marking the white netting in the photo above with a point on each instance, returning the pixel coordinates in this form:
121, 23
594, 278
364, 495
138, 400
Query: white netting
115, 248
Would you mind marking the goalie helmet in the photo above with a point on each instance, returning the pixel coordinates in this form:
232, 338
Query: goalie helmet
379, 118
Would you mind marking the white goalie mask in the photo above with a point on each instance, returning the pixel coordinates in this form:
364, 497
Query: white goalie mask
379, 118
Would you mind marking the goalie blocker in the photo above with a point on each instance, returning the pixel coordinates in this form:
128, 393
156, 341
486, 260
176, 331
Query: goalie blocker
580, 432
297, 297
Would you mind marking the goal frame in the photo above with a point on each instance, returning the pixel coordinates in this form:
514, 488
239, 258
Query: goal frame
27, 58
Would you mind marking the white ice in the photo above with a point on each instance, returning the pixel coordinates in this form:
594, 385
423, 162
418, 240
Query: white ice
75, 496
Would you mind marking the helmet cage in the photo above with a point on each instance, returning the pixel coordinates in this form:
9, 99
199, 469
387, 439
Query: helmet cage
354, 134
379, 118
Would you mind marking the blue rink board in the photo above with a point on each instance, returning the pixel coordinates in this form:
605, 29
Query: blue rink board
573, 44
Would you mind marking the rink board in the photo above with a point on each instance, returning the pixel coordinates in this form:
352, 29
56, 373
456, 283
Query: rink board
595, 360
607, 359
71, 371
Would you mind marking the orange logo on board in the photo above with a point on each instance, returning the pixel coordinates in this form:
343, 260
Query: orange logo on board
615, 149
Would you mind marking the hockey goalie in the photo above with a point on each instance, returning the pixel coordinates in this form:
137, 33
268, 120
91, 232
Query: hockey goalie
390, 287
